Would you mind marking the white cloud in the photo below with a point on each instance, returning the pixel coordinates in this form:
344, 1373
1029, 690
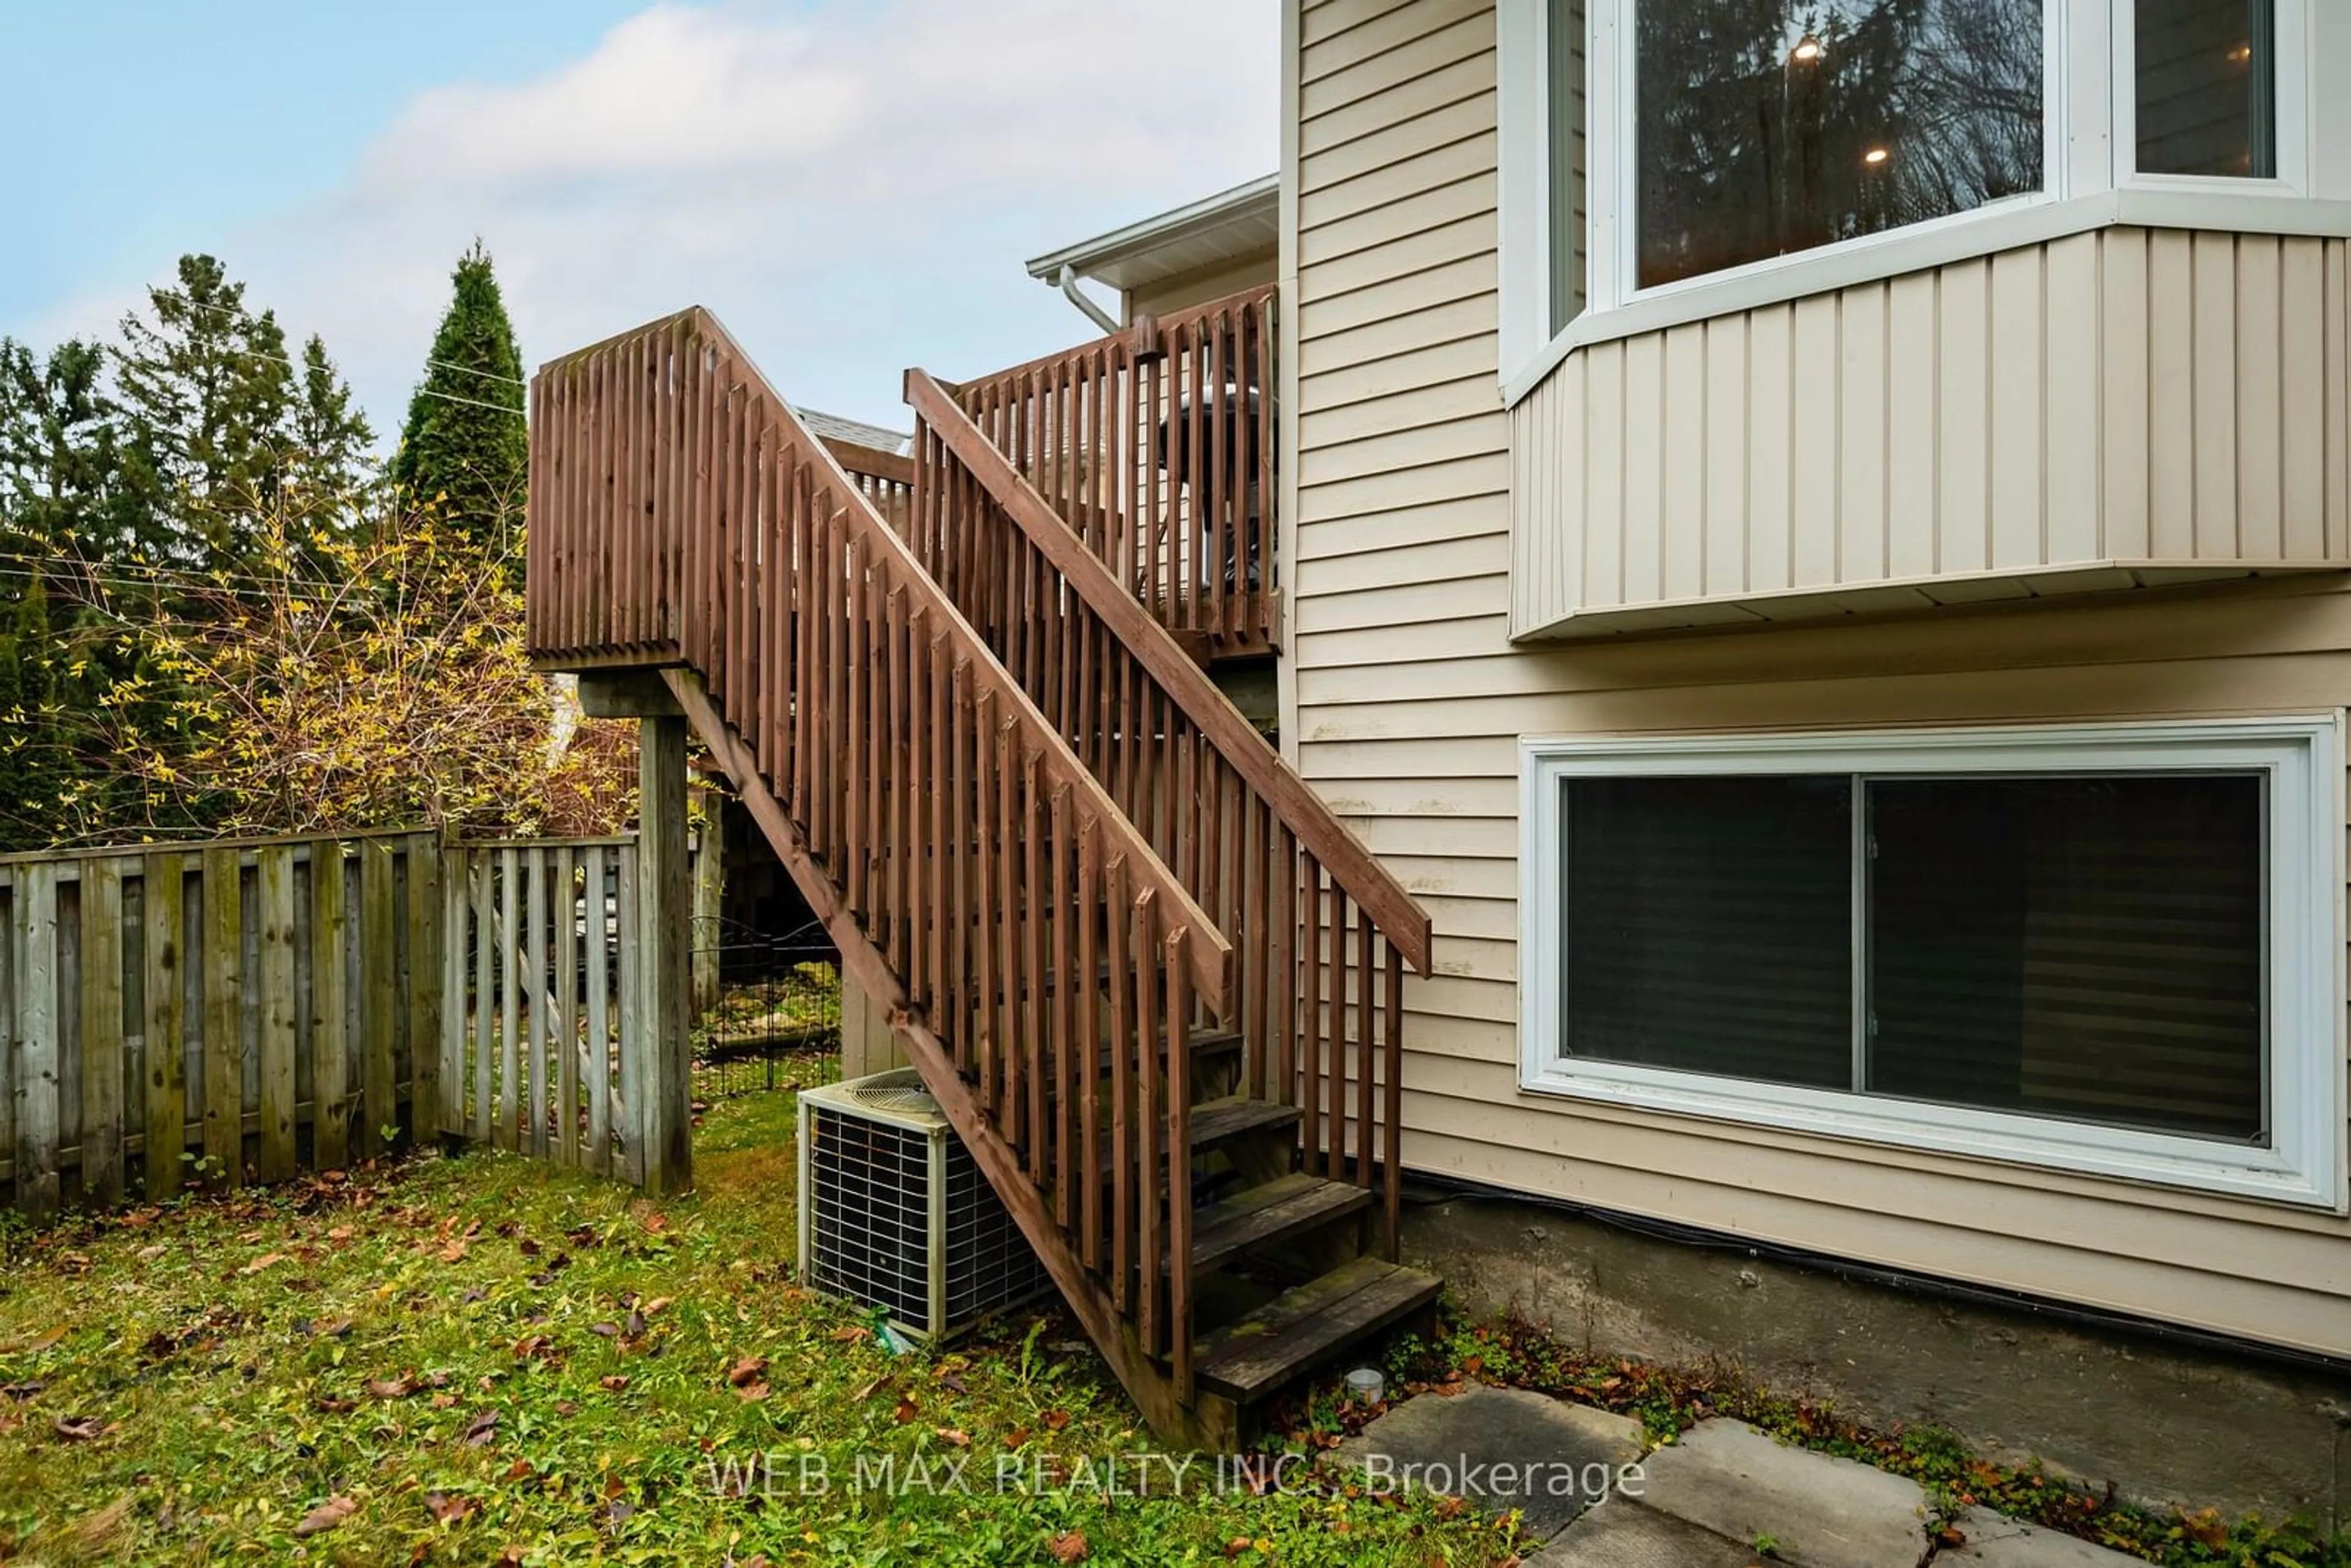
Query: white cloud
853, 187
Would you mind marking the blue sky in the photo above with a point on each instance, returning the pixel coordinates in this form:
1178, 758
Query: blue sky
853, 186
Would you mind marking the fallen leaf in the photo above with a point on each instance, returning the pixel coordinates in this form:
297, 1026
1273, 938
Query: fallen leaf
399, 1387
1016, 1437
747, 1370
264, 1261
656, 1222
907, 1409
952, 1437
2206, 1529
446, 1508
1069, 1546
48, 1339
484, 1428
851, 1333
334, 1406
149, 1254
612, 1384
333, 1328
520, 1470
1056, 1419
326, 1515
340, 1233
610, 1330
657, 1303
752, 1393
24, 1390
79, 1429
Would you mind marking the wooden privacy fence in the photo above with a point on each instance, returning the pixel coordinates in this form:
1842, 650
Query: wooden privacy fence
546, 1046
264, 1006
258, 1007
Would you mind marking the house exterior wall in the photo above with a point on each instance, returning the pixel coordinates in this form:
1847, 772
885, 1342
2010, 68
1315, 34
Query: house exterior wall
1406, 699
2124, 395
1185, 290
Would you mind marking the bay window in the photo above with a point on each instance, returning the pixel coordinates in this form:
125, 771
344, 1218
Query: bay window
1736, 151
2108, 948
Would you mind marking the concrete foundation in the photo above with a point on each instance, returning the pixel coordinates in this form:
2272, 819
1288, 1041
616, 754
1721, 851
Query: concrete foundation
2168, 1426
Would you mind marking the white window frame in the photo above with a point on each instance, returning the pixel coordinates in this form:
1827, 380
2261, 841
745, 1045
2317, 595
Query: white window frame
2090, 180
2300, 758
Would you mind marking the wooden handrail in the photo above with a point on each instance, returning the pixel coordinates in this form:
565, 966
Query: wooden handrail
1321, 833
1156, 444
655, 591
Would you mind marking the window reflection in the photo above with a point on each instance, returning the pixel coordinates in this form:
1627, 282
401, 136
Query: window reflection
1767, 126
2206, 74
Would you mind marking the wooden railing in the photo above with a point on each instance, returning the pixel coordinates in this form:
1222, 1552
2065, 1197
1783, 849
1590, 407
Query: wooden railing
1158, 447
681, 513
1322, 930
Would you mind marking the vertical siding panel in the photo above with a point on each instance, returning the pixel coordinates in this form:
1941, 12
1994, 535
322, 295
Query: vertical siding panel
1861, 397
2072, 502
1963, 534
1564, 474
2019, 344
1725, 558
1645, 468
2171, 420
1910, 431
1601, 492
2301, 400
2261, 527
1769, 438
1683, 439
2125, 406
2338, 397
1814, 452
2213, 389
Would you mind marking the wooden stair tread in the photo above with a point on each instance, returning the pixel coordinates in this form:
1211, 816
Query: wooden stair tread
1216, 1123
1206, 1043
1280, 1208
1303, 1328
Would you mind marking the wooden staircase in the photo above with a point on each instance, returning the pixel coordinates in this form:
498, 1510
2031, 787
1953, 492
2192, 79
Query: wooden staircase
1153, 983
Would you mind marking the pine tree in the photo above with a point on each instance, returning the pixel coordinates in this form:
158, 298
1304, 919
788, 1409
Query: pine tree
463, 455
332, 438
207, 395
32, 741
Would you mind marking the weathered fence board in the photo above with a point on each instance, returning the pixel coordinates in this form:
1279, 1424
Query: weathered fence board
540, 1018
166, 1004
262, 1007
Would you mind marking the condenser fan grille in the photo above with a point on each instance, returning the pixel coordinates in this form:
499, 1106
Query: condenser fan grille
872, 1205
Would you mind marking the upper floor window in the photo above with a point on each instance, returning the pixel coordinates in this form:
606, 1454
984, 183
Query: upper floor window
1662, 147
2206, 88
1760, 130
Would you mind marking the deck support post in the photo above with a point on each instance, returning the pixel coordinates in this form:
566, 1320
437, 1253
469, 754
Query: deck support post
665, 917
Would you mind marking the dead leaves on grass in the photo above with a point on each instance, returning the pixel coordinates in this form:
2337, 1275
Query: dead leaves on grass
326, 1515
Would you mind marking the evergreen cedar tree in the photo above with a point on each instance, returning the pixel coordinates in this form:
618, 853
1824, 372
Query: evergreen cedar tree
463, 454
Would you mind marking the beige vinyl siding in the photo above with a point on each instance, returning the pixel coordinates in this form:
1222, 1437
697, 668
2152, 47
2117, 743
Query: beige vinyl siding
2125, 397
1171, 295
1410, 699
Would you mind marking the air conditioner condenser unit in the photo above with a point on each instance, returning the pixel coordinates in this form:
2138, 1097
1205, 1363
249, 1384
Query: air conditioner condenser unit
895, 1215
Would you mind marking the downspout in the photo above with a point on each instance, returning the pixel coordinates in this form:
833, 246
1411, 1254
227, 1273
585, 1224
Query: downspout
1077, 297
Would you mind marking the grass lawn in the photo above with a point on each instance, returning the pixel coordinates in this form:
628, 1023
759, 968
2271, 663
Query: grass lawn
484, 1360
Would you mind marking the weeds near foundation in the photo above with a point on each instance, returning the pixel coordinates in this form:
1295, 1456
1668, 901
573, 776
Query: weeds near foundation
1668, 1401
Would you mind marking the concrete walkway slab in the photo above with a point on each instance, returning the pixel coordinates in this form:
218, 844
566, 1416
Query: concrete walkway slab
1818, 1512
1621, 1534
1995, 1540
1503, 1447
